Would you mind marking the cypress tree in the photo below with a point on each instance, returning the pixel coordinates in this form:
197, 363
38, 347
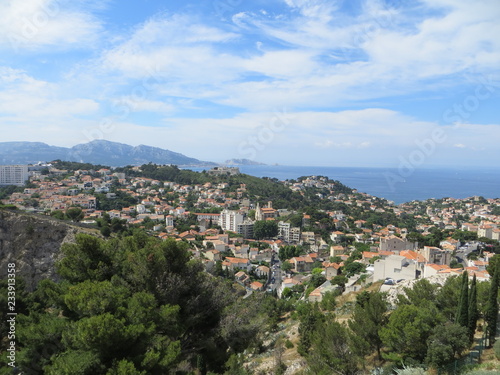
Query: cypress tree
473, 312
491, 315
462, 316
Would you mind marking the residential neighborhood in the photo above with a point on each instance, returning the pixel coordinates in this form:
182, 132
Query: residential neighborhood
308, 261
218, 221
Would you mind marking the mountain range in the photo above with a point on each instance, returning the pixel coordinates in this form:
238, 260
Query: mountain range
96, 152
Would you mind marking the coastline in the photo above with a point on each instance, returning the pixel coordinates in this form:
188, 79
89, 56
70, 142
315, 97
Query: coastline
391, 183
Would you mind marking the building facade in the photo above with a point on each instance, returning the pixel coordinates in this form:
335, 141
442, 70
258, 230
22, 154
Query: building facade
229, 220
13, 174
245, 228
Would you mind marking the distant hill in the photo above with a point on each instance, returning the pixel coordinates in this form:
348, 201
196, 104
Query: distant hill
242, 162
96, 152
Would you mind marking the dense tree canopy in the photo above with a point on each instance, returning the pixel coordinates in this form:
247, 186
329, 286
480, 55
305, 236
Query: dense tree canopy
134, 305
265, 229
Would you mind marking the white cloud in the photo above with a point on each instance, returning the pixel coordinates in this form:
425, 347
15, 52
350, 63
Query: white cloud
441, 45
177, 48
138, 104
356, 137
314, 59
33, 24
24, 99
386, 51
304, 60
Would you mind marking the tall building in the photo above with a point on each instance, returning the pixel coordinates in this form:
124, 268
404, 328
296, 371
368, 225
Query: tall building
229, 220
288, 233
246, 228
13, 174
284, 231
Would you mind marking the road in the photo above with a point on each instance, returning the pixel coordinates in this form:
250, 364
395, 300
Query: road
276, 274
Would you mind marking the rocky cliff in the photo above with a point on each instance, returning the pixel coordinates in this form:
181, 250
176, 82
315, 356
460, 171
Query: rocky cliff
33, 243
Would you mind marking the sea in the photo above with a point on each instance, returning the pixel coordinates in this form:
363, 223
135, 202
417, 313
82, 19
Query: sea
397, 185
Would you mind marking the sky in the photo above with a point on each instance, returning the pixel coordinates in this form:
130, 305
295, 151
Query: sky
296, 82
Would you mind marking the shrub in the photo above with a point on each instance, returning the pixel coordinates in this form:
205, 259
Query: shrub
411, 371
496, 348
288, 344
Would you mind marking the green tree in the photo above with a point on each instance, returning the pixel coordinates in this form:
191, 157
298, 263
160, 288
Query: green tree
464, 235
289, 251
81, 362
86, 259
286, 266
265, 229
58, 214
123, 299
408, 328
473, 313
39, 337
446, 343
287, 292
421, 293
310, 318
447, 297
125, 367
354, 268
317, 280
462, 317
95, 297
328, 302
75, 213
105, 231
369, 317
332, 351
491, 315
339, 280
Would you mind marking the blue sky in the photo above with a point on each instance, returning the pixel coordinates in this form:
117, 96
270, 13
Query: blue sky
296, 82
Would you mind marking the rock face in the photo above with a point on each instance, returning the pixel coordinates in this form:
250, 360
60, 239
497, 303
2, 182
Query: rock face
33, 243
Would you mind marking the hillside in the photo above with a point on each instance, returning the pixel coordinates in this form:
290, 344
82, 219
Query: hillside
33, 243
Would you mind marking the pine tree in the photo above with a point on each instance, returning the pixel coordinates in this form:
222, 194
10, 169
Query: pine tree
473, 312
461, 317
491, 315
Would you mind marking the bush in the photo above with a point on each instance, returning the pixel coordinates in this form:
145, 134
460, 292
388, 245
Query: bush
288, 344
411, 371
496, 348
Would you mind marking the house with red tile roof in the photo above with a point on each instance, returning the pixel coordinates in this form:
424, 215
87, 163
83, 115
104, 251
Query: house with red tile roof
232, 264
302, 264
256, 285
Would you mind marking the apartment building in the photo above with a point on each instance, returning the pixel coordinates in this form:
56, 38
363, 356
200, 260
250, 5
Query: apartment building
13, 174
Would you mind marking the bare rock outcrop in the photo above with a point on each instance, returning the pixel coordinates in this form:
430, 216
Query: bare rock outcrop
33, 243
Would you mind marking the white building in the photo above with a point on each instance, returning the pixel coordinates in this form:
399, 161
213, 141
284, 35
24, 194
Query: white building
294, 234
229, 220
395, 267
169, 221
288, 233
284, 231
13, 174
396, 244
